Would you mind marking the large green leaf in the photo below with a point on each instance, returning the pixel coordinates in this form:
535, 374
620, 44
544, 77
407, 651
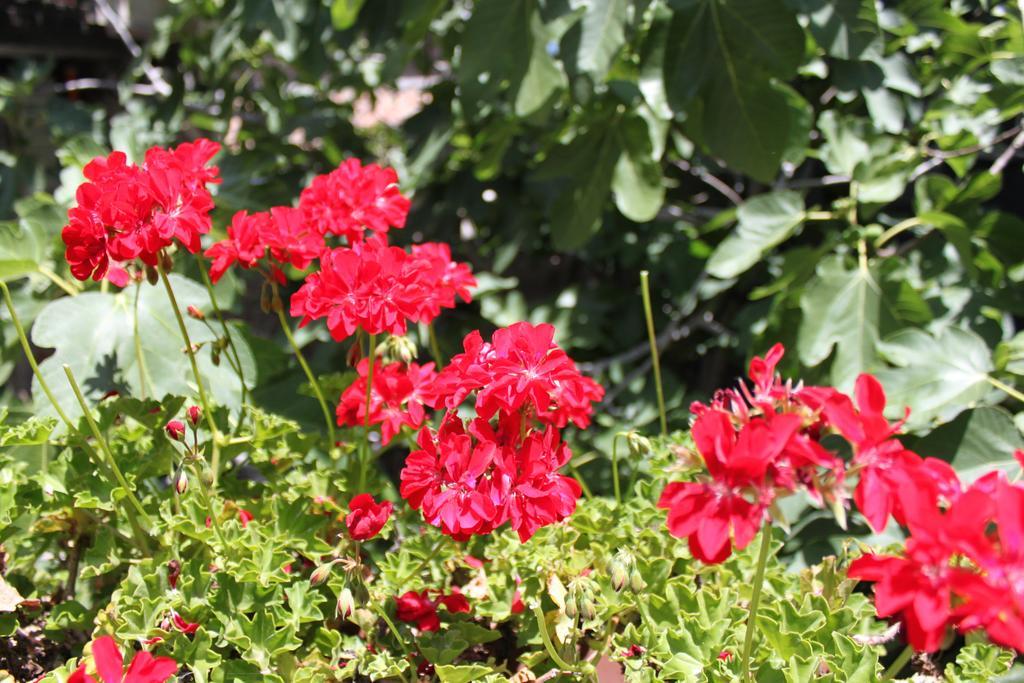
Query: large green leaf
93, 334
576, 215
602, 36
841, 311
24, 243
729, 51
543, 76
975, 442
845, 29
484, 69
763, 222
937, 376
637, 181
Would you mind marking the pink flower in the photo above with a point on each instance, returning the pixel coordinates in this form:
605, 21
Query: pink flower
144, 668
366, 517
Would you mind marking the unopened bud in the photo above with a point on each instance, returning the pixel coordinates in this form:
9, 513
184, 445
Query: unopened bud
152, 276
167, 262
215, 357
346, 603
619, 573
355, 354
181, 483
400, 349
194, 312
571, 608
636, 581
639, 445
175, 430
587, 608
321, 574
194, 414
265, 298
275, 301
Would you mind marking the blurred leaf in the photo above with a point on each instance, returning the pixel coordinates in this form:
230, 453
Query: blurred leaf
603, 35
763, 222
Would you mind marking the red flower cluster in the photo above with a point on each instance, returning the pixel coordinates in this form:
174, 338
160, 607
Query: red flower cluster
421, 609
399, 397
963, 565
763, 441
380, 288
144, 667
125, 211
366, 517
504, 466
353, 198
281, 235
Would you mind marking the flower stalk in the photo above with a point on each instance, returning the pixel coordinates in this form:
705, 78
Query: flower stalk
645, 291
755, 597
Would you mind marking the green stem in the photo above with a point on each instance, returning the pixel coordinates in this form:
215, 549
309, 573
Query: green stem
426, 560
227, 332
897, 229
207, 412
615, 468
366, 451
58, 280
435, 348
140, 358
1005, 388
645, 291
394, 630
542, 626
190, 352
27, 348
328, 418
898, 664
105, 449
208, 503
755, 597
579, 478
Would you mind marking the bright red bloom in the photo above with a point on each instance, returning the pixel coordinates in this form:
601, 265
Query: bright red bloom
244, 245
366, 517
399, 397
124, 211
887, 469
144, 668
353, 198
444, 279
244, 517
291, 239
420, 608
729, 507
522, 366
194, 414
370, 286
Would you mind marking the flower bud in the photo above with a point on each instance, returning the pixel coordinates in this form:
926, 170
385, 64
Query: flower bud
194, 415
181, 483
619, 573
571, 608
639, 445
167, 262
152, 276
587, 608
636, 581
321, 574
400, 349
346, 603
354, 355
265, 301
175, 430
194, 312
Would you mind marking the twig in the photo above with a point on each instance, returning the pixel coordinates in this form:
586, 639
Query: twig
972, 149
806, 183
117, 23
710, 180
1007, 154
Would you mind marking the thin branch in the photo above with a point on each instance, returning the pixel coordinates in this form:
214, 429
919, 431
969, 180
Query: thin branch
77, 84
807, 183
1007, 154
711, 180
117, 23
972, 149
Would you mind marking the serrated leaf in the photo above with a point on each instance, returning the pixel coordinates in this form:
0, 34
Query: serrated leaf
841, 311
975, 442
845, 29
937, 376
763, 222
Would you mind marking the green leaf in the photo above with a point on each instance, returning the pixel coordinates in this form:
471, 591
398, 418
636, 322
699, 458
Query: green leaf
461, 674
576, 215
345, 12
484, 71
845, 29
602, 36
841, 311
543, 77
636, 181
937, 376
975, 442
93, 334
763, 222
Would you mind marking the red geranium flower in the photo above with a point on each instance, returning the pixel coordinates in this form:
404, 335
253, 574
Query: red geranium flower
245, 244
444, 279
124, 211
353, 198
366, 517
144, 668
420, 608
399, 397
